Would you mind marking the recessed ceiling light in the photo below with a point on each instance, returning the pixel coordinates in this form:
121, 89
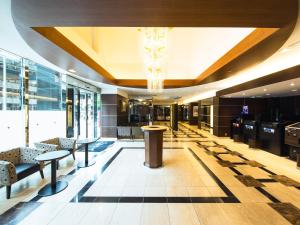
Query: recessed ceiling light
295, 44
292, 84
244, 94
265, 89
72, 70
268, 94
295, 90
284, 50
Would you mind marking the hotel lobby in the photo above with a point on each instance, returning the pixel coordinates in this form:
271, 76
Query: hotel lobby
150, 112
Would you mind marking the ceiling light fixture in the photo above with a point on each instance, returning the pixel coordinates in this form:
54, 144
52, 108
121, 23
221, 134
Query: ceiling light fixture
154, 46
268, 94
290, 47
295, 90
292, 84
265, 89
72, 70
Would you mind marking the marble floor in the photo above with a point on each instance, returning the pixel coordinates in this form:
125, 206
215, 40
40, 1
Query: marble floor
204, 180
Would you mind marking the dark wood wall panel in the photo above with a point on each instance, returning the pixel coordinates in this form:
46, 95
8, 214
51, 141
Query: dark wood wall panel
192, 119
114, 113
109, 115
260, 109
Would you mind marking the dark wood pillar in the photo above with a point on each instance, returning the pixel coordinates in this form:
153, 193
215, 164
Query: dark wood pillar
174, 117
109, 115
199, 114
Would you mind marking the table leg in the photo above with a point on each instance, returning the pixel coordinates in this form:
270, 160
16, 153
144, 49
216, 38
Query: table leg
86, 154
55, 186
53, 173
86, 162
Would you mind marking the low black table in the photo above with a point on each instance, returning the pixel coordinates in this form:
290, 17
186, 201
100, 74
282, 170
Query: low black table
86, 142
55, 186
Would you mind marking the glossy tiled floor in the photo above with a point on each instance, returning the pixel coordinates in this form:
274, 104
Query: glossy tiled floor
204, 180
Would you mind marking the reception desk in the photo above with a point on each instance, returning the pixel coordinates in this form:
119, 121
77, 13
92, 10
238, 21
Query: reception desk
153, 136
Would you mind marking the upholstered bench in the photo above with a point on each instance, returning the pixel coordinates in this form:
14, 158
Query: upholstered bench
16, 164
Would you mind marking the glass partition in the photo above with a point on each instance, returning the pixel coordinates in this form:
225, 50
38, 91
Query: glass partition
45, 101
12, 120
33, 104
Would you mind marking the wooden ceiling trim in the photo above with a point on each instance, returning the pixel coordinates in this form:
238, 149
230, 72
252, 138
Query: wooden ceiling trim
61, 41
280, 76
257, 36
167, 83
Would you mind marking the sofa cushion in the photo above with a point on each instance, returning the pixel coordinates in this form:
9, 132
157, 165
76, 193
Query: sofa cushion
26, 169
12, 156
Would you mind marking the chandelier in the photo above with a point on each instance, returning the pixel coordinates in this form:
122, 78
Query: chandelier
154, 48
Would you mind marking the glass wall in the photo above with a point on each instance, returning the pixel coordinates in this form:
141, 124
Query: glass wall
33, 104
46, 100
12, 120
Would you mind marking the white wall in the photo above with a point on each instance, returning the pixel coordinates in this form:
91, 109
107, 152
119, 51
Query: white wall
12, 129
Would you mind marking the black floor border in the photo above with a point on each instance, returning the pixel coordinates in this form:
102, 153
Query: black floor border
80, 198
267, 194
17, 213
153, 199
216, 179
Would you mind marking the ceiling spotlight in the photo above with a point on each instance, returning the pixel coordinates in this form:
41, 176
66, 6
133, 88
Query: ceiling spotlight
284, 50
268, 94
244, 94
292, 84
295, 90
265, 89
72, 70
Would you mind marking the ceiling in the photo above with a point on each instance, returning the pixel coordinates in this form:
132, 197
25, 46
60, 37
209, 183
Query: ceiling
280, 89
190, 51
264, 15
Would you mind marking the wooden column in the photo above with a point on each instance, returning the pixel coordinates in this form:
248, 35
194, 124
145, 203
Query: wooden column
174, 117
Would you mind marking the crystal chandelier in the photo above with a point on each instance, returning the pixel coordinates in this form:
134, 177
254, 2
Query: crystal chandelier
155, 45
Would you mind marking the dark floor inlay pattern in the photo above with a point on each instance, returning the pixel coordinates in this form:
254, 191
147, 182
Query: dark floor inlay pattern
285, 180
249, 181
235, 153
254, 163
225, 163
288, 211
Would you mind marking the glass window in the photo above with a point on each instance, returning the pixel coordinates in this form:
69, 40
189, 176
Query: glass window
44, 88
1, 82
47, 95
12, 121
13, 84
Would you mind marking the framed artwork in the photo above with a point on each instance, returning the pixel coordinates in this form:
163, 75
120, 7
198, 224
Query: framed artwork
195, 111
